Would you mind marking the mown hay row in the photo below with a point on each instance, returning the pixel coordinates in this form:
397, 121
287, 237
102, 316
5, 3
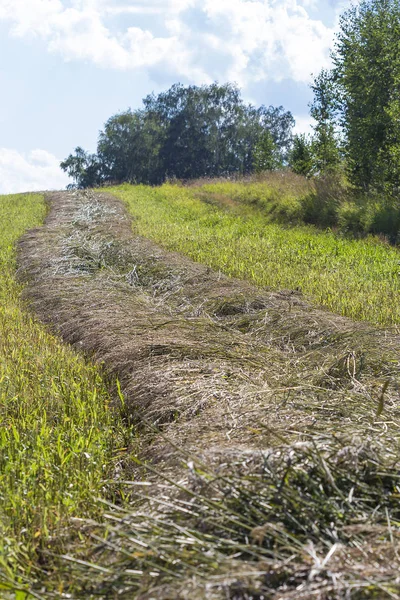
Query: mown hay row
254, 406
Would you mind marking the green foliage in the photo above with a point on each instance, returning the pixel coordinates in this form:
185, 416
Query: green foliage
280, 196
57, 436
266, 154
322, 205
183, 133
129, 147
383, 214
208, 130
242, 241
366, 80
84, 168
325, 145
301, 158
279, 123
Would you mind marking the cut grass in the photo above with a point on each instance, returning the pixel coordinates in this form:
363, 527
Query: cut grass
356, 278
56, 435
254, 511
317, 519
250, 494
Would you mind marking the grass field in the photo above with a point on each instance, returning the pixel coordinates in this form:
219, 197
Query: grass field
293, 481
219, 224
56, 435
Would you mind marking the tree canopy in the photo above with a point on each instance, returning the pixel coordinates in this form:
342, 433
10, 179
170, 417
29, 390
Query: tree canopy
360, 96
192, 131
186, 132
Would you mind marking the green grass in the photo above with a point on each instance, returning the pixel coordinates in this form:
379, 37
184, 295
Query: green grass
355, 278
280, 196
56, 434
58, 438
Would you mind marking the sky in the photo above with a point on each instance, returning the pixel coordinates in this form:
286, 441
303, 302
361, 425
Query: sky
66, 66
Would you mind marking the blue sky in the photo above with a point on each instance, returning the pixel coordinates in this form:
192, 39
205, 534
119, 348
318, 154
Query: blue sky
68, 65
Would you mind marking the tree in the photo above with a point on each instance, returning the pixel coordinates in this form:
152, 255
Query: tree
280, 124
325, 145
266, 155
185, 133
367, 80
195, 121
301, 158
115, 146
209, 131
128, 148
84, 168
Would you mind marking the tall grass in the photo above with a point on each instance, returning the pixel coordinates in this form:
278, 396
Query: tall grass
325, 201
281, 196
217, 224
56, 433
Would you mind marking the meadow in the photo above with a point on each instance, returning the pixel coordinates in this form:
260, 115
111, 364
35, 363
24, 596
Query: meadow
86, 509
57, 436
255, 231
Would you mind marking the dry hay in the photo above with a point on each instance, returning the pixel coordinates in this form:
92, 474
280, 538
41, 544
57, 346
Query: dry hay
245, 399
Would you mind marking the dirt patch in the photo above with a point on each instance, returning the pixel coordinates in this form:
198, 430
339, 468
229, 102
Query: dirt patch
210, 367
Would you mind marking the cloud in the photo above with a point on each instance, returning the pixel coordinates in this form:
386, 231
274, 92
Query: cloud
36, 171
304, 124
197, 40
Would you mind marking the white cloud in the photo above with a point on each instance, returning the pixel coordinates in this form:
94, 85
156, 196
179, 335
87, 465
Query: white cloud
271, 40
303, 124
38, 170
240, 40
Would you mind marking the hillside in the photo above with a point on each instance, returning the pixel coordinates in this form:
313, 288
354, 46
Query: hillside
249, 448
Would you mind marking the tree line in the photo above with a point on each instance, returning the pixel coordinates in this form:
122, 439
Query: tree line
209, 131
185, 133
356, 104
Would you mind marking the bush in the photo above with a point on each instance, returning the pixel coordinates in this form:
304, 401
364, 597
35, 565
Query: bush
386, 219
321, 207
374, 213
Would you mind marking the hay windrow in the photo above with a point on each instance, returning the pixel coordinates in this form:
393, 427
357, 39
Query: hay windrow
257, 403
